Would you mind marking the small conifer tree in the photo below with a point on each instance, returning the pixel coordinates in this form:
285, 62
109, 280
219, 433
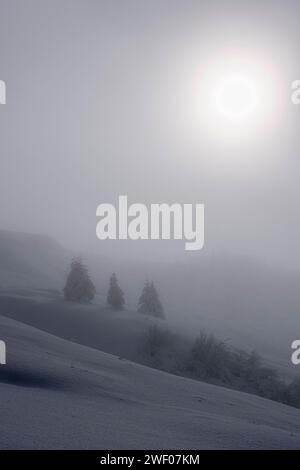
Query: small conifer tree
79, 287
149, 303
115, 296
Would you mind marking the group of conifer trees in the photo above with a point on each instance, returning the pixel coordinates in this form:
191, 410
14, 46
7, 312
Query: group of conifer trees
80, 288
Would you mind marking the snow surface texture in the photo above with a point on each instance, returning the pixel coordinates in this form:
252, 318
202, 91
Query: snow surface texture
58, 394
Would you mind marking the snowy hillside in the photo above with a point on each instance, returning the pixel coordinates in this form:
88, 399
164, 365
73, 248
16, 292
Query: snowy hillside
58, 394
29, 260
119, 333
238, 299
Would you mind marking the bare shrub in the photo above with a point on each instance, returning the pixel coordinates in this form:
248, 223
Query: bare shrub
209, 358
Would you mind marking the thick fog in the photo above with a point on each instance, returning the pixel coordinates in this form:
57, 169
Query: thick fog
109, 98
102, 101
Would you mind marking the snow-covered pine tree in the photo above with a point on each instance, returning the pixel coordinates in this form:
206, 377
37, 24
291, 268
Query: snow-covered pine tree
149, 303
79, 287
115, 296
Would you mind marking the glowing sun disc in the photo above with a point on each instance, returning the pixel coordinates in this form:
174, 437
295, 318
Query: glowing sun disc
236, 97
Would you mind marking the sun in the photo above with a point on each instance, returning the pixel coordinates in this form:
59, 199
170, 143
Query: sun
236, 97
231, 97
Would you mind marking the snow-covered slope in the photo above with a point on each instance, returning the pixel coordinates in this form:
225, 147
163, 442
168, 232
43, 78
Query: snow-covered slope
240, 300
120, 333
31, 260
252, 306
58, 394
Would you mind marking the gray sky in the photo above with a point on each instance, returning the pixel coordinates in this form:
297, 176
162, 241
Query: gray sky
99, 100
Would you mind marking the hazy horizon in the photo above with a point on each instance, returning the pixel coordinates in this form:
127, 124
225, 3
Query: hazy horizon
104, 98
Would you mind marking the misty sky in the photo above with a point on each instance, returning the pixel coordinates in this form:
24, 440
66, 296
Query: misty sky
99, 100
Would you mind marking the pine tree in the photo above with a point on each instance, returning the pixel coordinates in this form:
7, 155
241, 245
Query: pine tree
79, 287
149, 303
115, 296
